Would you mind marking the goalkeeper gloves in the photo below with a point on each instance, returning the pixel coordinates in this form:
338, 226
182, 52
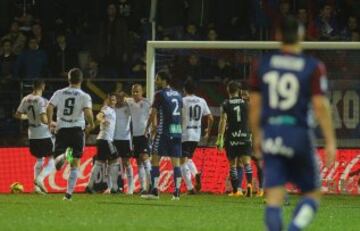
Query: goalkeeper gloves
220, 142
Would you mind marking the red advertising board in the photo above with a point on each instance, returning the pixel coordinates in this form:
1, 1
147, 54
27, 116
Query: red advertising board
16, 165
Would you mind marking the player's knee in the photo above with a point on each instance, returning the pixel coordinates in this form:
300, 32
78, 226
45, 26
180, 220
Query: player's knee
248, 168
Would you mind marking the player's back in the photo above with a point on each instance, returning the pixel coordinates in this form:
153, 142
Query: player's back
236, 110
122, 125
70, 103
34, 106
194, 108
170, 106
287, 82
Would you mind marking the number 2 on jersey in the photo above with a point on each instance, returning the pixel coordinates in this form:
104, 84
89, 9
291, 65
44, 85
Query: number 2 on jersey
283, 90
176, 111
69, 106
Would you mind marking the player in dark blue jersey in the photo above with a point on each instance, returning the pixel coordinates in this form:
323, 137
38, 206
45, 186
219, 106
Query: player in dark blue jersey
233, 127
166, 115
285, 86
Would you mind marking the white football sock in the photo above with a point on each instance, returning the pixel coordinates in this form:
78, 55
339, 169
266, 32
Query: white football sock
142, 176
114, 173
37, 167
147, 166
47, 170
186, 174
72, 180
96, 169
130, 179
192, 167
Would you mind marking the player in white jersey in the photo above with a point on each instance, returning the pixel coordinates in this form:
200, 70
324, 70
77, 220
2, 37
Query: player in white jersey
122, 138
33, 108
106, 152
194, 109
139, 110
74, 106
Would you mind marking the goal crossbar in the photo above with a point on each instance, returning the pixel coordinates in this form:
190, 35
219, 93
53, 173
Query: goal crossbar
257, 45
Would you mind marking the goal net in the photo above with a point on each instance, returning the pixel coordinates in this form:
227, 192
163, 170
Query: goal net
211, 64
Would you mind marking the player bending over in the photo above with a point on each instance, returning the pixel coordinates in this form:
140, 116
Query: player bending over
33, 108
122, 138
195, 108
234, 125
140, 109
166, 114
285, 86
74, 106
106, 151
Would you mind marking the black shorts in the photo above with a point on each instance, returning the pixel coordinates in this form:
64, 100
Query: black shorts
105, 150
41, 147
141, 146
188, 148
70, 137
237, 150
123, 148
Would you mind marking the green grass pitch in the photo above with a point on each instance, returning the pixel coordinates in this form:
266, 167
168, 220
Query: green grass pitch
200, 212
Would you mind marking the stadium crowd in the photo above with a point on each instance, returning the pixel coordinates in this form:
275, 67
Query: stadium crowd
107, 39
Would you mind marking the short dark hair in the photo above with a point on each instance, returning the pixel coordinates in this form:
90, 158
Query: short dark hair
6, 41
37, 84
233, 86
190, 86
164, 75
75, 76
290, 30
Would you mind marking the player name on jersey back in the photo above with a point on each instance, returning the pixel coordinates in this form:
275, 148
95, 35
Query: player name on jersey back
33, 106
194, 108
70, 103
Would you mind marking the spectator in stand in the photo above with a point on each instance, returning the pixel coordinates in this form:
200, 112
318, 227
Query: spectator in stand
193, 68
312, 34
212, 35
139, 67
32, 63
17, 39
7, 62
191, 33
351, 26
113, 44
327, 24
223, 71
171, 17
125, 10
92, 70
37, 33
62, 57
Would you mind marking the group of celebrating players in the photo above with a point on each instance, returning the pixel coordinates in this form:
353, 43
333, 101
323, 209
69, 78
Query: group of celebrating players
287, 88
133, 127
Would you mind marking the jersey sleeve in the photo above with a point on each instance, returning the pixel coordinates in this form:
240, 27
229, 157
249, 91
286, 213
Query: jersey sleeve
87, 102
42, 105
21, 107
206, 109
54, 100
157, 101
223, 107
254, 80
319, 83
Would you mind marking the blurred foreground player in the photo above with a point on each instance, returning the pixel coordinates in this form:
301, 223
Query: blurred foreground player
285, 85
33, 108
74, 106
166, 115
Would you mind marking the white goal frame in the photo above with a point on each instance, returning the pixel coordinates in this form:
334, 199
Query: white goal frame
269, 45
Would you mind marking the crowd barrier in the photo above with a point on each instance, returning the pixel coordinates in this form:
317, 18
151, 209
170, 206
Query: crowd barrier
16, 165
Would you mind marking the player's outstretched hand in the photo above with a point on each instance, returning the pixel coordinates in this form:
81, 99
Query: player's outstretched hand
52, 127
330, 152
